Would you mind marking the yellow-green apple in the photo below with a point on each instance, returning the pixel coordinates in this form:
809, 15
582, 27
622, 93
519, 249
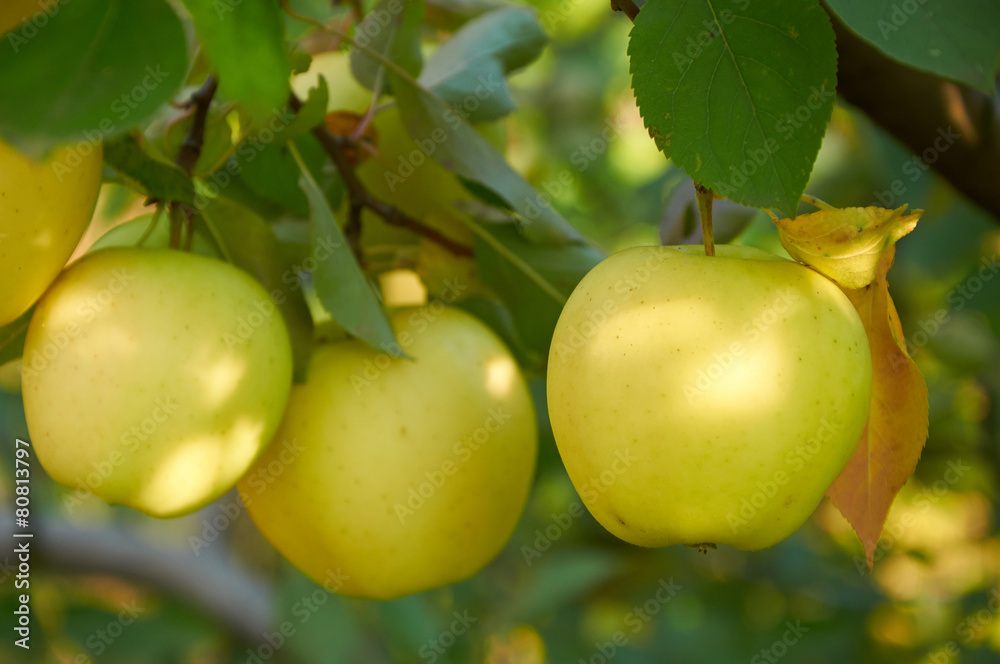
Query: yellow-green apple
399, 475
345, 93
44, 209
706, 400
154, 378
156, 236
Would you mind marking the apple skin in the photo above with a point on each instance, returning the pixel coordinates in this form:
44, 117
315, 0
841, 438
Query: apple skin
706, 400
345, 93
43, 215
374, 472
154, 378
129, 234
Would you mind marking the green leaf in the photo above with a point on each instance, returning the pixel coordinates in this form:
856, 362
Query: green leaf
392, 29
451, 141
959, 40
249, 243
311, 114
95, 69
533, 310
340, 283
266, 176
152, 177
244, 41
471, 66
739, 98
12, 337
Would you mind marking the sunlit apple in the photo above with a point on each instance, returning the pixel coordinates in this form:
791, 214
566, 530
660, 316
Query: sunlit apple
154, 378
400, 475
706, 400
44, 209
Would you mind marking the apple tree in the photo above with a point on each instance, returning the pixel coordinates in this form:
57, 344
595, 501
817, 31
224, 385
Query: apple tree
458, 330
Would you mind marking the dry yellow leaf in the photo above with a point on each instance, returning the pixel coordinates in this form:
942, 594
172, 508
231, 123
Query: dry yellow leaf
845, 245
897, 418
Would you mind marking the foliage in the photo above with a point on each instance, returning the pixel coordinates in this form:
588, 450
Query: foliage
542, 117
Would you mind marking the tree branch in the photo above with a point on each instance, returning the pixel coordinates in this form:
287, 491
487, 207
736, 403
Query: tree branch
360, 197
209, 582
627, 6
190, 150
956, 126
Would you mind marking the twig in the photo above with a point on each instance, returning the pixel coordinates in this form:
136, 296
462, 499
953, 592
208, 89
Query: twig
190, 149
360, 197
705, 198
208, 582
352, 230
815, 202
627, 6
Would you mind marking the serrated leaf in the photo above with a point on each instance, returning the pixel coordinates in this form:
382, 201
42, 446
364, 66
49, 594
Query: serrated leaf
392, 29
244, 42
248, 242
472, 64
340, 283
897, 418
161, 180
738, 96
957, 40
93, 70
453, 143
845, 245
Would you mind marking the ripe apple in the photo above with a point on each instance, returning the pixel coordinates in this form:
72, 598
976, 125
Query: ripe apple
345, 93
129, 234
402, 474
44, 210
154, 378
706, 400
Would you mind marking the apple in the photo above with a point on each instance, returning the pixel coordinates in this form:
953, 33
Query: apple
154, 378
44, 209
345, 93
131, 232
400, 474
706, 400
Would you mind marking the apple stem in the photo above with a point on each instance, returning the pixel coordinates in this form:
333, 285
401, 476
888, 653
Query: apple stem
815, 202
706, 197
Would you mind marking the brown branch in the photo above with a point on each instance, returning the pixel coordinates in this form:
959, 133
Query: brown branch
627, 6
955, 126
208, 582
190, 150
360, 197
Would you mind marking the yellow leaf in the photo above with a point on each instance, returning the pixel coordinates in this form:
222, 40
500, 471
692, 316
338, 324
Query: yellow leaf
897, 418
845, 245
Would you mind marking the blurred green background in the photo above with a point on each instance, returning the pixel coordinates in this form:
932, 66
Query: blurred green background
207, 588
